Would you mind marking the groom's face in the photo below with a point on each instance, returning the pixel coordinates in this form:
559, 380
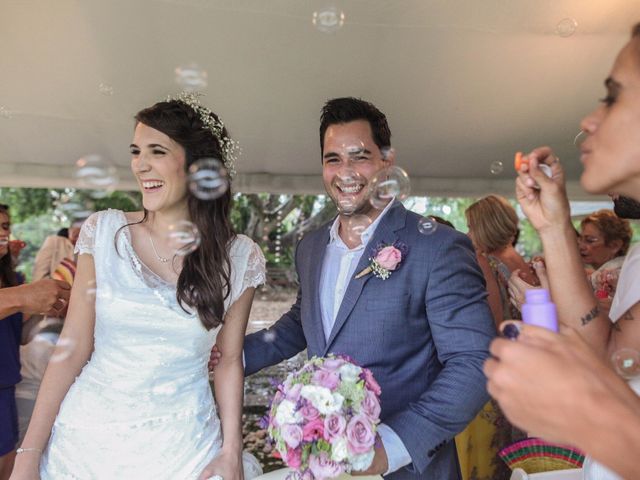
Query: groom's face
350, 160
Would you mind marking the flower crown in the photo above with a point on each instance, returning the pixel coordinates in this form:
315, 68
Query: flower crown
230, 148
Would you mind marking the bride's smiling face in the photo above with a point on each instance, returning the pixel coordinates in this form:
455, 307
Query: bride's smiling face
158, 164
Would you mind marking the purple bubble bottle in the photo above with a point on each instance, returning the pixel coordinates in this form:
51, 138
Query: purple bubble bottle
539, 310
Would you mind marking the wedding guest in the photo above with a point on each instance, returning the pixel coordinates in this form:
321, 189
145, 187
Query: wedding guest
46, 295
55, 249
552, 384
493, 228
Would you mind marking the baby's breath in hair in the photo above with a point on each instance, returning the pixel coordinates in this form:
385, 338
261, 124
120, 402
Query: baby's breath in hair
230, 148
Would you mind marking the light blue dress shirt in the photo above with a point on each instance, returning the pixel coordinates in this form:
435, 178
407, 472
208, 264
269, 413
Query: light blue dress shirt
338, 269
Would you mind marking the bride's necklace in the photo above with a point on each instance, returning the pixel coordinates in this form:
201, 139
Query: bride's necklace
160, 258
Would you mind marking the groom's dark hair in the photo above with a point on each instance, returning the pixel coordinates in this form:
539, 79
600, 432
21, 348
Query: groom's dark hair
349, 109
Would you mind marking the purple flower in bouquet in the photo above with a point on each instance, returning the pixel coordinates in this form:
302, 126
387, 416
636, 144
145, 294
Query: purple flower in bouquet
360, 434
334, 427
322, 467
326, 378
292, 435
370, 405
309, 412
294, 457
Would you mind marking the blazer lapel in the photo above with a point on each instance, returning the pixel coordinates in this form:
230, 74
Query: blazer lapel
315, 257
385, 234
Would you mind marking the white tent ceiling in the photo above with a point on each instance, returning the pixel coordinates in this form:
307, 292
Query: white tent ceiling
464, 83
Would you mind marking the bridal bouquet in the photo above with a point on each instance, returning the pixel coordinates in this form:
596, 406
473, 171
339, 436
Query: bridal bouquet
323, 418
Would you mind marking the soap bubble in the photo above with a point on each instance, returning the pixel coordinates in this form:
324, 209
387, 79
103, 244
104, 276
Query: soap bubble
95, 173
63, 346
389, 183
347, 187
328, 20
207, 179
626, 362
579, 138
105, 291
191, 77
183, 237
566, 27
5, 112
496, 167
105, 89
355, 226
427, 225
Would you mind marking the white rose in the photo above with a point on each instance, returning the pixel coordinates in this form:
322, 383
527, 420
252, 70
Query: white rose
363, 461
339, 449
322, 399
286, 413
349, 372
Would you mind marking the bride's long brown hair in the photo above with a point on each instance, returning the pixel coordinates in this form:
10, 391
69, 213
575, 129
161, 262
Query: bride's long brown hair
203, 283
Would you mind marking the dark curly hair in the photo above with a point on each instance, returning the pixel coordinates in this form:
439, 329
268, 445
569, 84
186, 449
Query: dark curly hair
612, 228
204, 282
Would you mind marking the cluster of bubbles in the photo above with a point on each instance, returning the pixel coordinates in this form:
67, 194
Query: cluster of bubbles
94, 172
354, 195
328, 20
191, 77
5, 112
566, 27
626, 362
207, 179
105, 89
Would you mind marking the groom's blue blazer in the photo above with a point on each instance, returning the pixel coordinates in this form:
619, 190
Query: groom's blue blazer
424, 332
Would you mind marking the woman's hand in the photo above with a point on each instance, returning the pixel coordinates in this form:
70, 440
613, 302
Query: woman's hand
227, 465
543, 200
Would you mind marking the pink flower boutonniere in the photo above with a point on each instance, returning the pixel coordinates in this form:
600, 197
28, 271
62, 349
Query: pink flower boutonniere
384, 260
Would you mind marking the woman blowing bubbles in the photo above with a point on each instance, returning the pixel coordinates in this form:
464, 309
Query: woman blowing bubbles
141, 406
559, 386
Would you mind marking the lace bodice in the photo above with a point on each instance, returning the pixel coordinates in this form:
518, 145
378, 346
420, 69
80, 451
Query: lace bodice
144, 397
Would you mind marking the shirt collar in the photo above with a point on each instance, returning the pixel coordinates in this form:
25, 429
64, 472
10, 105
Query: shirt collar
334, 237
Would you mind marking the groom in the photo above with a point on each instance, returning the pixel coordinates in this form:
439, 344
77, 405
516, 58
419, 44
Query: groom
424, 331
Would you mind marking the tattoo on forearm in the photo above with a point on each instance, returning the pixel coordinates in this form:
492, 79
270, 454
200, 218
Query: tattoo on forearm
627, 316
593, 313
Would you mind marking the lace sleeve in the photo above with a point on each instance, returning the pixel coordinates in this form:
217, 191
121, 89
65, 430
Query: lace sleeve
86, 239
256, 272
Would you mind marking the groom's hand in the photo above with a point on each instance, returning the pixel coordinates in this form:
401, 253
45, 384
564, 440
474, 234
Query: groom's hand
380, 463
214, 358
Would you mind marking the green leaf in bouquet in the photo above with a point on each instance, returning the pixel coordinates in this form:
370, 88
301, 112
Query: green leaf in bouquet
323, 446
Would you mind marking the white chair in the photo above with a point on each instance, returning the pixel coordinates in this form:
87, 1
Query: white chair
570, 474
283, 472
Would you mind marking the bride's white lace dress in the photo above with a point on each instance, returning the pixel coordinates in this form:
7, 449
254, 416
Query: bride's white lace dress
142, 407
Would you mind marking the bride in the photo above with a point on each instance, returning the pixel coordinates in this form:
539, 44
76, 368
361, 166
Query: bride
132, 398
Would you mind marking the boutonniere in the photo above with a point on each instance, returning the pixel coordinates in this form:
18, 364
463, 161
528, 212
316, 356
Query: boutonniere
384, 260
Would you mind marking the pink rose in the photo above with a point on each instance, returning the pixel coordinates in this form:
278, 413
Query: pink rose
323, 467
309, 412
326, 378
292, 435
294, 458
371, 382
293, 393
370, 406
334, 426
389, 257
313, 430
360, 436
